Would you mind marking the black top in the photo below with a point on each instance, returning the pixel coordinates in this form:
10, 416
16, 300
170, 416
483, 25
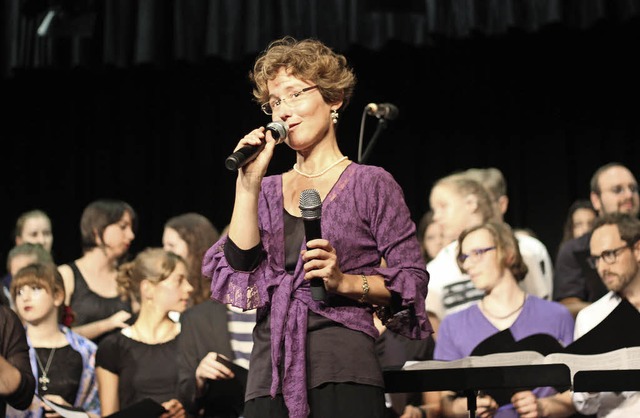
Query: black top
334, 352
144, 370
573, 277
204, 330
88, 306
64, 373
14, 348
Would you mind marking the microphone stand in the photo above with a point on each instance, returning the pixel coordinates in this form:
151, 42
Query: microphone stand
382, 124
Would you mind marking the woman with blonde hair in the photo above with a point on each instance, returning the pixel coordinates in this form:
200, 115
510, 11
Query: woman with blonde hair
458, 202
34, 227
140, 361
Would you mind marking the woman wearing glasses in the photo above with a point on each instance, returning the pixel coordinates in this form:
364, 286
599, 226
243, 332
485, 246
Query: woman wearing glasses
316, 356
489, 254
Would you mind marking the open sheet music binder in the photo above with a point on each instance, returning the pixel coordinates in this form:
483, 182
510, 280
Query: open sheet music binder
470, 380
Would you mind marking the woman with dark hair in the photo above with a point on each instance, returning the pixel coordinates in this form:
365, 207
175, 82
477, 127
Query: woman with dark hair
580, 218
107, 229
212, 332
190, 235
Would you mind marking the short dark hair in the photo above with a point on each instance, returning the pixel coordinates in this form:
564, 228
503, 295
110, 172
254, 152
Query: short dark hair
628, 225
98, 215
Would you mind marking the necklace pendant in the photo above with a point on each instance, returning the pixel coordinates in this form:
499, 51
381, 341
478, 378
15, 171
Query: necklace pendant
44, 381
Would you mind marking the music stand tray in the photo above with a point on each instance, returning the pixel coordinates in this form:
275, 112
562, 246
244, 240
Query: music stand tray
606, 380
472, 379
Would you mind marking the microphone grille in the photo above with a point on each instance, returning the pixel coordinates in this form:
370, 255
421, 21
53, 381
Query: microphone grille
391, 110
279, 130
310, 204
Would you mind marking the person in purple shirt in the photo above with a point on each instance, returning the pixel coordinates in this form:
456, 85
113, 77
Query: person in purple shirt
309, 356
489, 254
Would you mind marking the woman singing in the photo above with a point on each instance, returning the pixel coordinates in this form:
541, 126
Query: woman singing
316, 358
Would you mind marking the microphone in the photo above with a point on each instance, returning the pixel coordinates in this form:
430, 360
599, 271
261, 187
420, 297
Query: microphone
279, 131
311, 208
385, 111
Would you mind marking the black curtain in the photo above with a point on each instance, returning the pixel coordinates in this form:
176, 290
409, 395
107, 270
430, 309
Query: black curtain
149, 113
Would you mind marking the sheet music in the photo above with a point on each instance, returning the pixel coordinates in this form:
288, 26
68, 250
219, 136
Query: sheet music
621, 359
490, 360
64, 411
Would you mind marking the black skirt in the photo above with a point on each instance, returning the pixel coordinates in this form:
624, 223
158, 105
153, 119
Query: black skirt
331, 400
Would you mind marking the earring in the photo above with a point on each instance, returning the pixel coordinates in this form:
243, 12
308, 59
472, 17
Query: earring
334, 116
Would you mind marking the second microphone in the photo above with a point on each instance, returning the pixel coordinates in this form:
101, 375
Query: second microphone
311, 209
279, 130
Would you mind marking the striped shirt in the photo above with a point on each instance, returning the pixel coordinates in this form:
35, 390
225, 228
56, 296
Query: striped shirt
241, 325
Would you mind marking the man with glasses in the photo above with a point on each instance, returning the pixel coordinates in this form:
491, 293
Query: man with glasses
614, 189
615, 256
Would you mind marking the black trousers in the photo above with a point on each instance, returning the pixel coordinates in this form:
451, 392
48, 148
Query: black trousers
331, 400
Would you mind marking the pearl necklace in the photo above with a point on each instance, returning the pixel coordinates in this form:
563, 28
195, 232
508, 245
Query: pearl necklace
310, 176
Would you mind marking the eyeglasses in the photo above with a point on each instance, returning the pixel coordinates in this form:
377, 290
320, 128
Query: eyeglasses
291, 100
474, 255
608, 256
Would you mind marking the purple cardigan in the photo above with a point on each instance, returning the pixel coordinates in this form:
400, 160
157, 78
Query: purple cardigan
366, 219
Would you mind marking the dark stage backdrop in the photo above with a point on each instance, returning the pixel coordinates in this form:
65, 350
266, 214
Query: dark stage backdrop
547, 107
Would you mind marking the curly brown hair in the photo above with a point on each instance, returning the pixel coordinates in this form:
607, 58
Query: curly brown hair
307, 59
153, 264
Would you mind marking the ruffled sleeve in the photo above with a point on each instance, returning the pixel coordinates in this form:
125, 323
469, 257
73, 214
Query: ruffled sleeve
404, 270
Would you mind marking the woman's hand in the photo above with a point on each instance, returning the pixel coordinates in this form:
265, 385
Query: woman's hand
118, 320
50, 413
174, 409
321, 261
243, 228
210, 367
251, 174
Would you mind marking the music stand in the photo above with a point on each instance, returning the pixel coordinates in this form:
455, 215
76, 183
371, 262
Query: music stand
473, 379
606, 380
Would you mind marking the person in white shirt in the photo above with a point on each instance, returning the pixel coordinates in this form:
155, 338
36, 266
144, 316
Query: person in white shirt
458, 203
615, 254
539, 280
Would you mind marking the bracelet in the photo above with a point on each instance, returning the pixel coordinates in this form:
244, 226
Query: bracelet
365, 289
